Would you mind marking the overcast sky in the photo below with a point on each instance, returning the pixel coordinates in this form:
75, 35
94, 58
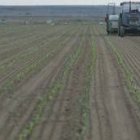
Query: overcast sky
56, 2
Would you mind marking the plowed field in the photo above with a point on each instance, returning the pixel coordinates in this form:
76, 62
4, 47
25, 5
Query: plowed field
68, 82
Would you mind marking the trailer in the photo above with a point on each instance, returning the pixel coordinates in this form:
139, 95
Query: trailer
111, 19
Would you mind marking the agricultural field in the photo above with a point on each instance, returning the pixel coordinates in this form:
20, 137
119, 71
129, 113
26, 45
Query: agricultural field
68, 82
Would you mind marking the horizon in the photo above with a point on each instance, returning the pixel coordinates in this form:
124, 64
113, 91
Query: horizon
60, 2
57, 5
56, 2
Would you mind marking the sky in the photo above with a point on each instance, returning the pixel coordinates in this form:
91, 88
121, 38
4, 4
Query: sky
57, 2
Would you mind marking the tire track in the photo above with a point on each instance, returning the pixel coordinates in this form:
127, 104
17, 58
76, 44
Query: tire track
99, 109
130, 58
110, 91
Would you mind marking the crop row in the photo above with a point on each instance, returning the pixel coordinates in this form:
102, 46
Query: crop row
129, 76
10, 48
30, 69
32, 53
56, 88
84, 100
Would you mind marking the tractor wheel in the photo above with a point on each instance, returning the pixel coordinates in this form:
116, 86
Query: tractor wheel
122, 31
108, 32
118, 31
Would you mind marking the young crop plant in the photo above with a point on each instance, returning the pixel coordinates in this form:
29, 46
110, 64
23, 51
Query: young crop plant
130, 81
57, 87
11, 84
84, 99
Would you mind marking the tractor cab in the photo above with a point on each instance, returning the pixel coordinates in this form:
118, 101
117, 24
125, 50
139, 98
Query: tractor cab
129, 19
130, 7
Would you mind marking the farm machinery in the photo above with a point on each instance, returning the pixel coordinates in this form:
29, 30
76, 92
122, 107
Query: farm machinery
111, 19
129, 18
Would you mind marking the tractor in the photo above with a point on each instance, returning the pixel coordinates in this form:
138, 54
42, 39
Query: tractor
129, 18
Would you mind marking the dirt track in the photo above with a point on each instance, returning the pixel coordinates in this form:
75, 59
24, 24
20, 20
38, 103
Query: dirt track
111, 114
69, 85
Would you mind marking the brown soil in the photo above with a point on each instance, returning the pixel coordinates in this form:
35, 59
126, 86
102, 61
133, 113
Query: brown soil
113, 115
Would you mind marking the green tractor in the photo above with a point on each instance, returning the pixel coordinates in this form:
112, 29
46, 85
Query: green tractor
129, 18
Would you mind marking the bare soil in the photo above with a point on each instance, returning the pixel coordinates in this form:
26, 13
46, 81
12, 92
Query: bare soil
112, 113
